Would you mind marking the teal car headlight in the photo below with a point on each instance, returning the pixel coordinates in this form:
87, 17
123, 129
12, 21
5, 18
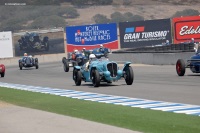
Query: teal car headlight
107, 73
119, 72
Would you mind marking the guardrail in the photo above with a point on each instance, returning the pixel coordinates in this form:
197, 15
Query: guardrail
42, 59
172, 48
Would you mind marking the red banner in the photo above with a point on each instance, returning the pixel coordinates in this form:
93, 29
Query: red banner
186, 28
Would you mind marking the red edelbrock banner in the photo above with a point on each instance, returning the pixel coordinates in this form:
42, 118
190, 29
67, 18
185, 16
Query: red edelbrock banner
186, 28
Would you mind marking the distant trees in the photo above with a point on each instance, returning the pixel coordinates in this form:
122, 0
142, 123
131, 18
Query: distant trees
117, 17
91, 2
127, 2
186, 12
69, 12
22, 17
99, 19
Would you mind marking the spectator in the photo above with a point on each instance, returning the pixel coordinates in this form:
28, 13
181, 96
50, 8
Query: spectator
197, 47
167, 42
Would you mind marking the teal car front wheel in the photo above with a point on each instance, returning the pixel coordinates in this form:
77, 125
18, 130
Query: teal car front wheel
95, 78
77, 77
129, 75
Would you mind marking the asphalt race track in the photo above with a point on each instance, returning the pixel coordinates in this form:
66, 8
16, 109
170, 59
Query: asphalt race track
150, 82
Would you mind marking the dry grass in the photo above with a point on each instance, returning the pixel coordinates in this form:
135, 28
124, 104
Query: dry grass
4, 104
149, 9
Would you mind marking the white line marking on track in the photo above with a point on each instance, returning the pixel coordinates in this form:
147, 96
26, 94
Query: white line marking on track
111, 99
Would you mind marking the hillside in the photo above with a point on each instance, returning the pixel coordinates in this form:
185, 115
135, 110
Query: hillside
147, 11
27, 17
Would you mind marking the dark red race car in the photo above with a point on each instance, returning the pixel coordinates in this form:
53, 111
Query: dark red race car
2, 70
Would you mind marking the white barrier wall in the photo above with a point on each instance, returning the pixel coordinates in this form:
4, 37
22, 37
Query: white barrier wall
135, 58
6, 45
41, 58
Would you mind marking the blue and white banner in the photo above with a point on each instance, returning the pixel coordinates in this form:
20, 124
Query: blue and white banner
91, 36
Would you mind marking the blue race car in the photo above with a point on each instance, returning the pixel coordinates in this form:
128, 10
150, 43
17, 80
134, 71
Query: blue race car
102, 70
101, 52
75, 58
193, 63
28, 61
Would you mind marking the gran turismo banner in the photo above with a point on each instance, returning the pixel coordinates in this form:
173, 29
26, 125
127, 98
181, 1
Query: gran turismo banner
186, 28
91, 36
144, 33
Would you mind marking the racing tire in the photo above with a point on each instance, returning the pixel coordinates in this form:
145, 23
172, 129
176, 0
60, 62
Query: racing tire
109, 82
63, 59
36, 65
77, 77
180, 67
129, 75
3, 74
20, 66
106, 54
36, 60
95, 78
66, 65
75, 64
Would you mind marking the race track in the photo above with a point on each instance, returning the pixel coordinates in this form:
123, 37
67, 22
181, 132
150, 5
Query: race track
151, 82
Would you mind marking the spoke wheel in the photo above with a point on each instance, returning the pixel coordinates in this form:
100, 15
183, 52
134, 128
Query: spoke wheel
95, 78
77, 77
129, 76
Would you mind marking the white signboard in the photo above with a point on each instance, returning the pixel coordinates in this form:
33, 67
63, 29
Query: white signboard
6, 45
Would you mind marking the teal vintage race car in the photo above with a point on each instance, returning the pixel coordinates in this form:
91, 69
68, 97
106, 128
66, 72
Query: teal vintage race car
102, 70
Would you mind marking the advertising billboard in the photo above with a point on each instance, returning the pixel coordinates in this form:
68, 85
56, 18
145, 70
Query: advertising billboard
6, 45
91, 36
186, 28
144, 33
38, 43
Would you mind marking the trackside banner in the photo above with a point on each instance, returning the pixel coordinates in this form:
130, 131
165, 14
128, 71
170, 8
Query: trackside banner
6, 44
91, 36
186, 28
144, 33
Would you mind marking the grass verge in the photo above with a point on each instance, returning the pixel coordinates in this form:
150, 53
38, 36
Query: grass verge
137, 119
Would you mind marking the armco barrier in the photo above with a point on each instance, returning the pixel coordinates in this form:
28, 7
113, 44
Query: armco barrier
185, 47
151, 58
141, 58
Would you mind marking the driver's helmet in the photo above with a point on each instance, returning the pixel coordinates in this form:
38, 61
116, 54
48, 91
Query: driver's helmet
25, 54
192, 40
75, 51
92, 56
101, 46
30, 56
84, 49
